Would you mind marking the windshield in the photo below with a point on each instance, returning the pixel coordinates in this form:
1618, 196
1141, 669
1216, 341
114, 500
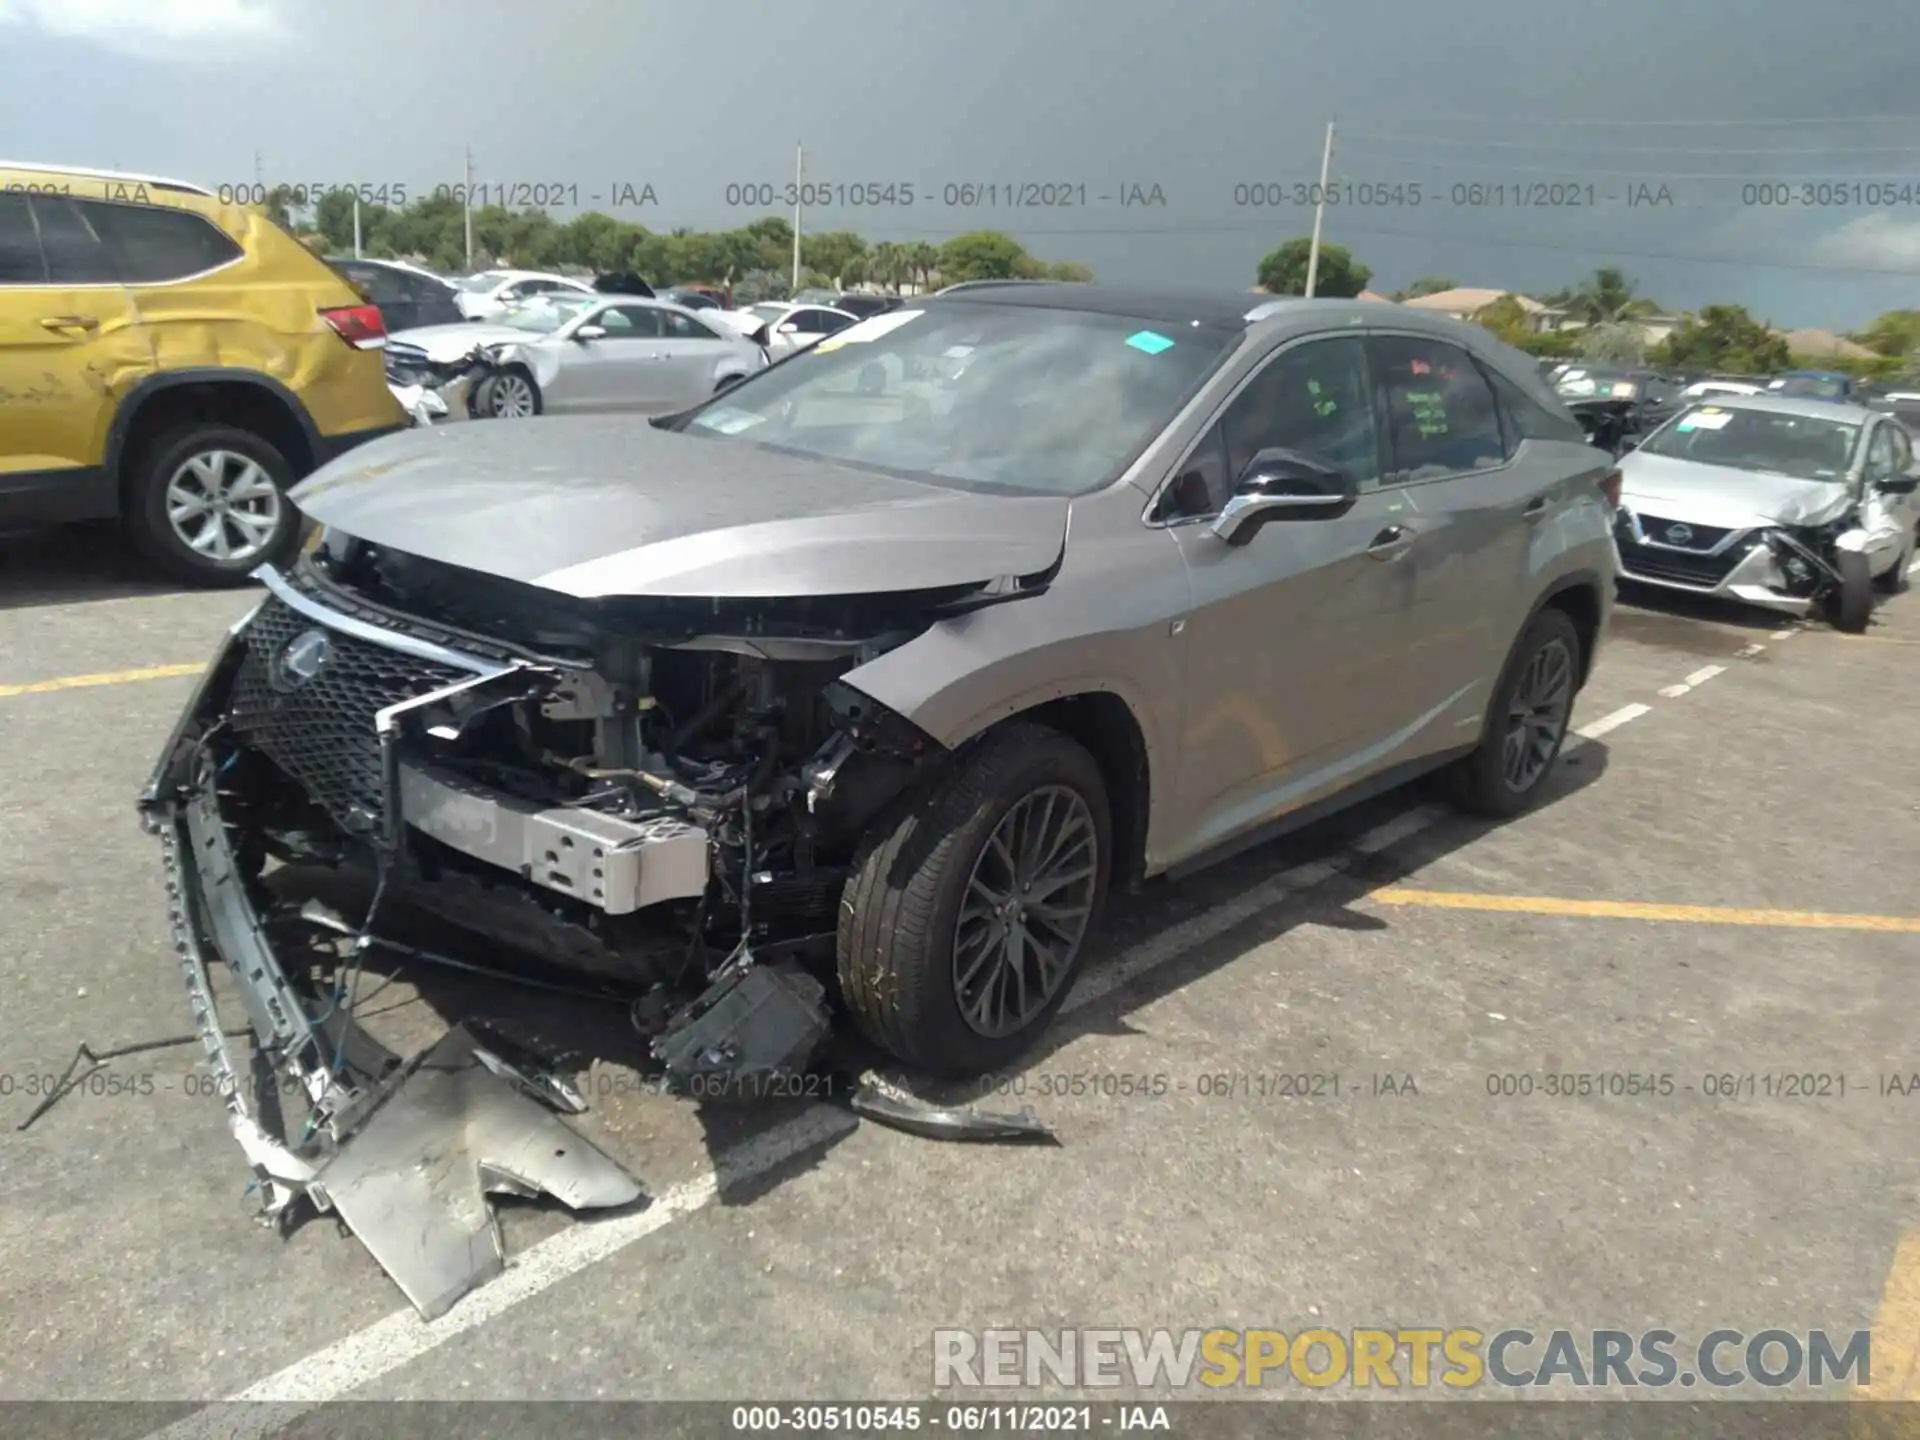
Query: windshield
1587, 384
485, 280
768, 311
1004, 398
1764, 441
1818, 387
544, 313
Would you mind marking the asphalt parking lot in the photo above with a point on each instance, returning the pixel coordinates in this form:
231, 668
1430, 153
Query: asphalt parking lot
1720, 885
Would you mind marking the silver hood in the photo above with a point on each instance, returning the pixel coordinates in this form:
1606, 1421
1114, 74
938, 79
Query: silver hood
609, 505
444, 343
1723, 497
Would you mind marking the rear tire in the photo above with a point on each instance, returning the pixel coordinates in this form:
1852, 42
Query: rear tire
1526, 721
923, 941
207, 504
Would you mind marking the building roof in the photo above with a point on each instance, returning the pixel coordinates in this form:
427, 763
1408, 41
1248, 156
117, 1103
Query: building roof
1470, 302
1825, 342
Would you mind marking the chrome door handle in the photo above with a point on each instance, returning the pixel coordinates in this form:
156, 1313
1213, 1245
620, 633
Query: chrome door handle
1535, 508
1391, 542
70, 322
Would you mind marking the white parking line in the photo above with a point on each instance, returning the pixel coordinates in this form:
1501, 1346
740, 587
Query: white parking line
1172, 943
402, 1337
1705, 673
379, 1349
1594, 729
1747, 652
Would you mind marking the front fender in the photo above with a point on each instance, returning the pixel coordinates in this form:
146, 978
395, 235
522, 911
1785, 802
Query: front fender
1108, 624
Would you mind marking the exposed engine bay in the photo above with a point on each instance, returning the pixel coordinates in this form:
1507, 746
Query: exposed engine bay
437, 391
661, 795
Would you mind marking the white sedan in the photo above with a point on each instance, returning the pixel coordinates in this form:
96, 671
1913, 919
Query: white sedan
485, 295
1702, 389
788, 327
575, 354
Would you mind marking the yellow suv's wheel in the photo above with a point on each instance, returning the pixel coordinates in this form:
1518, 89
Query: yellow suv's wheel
208, 504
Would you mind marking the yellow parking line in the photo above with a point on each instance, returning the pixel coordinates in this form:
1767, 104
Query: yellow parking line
1636, 910
106, 677
1895, 1372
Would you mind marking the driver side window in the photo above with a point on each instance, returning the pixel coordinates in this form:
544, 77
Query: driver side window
630, 322
1314, 398
1880, 458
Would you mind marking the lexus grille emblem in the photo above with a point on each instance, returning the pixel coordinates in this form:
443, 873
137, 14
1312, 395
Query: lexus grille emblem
300, 659
1679, 534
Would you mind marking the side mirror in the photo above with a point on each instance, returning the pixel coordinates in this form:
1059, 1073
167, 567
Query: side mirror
590, 332
1284, 485
1630, 442
788, 329
1898, 484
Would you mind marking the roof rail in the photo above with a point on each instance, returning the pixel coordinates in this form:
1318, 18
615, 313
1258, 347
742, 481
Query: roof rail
157, 181
984, 284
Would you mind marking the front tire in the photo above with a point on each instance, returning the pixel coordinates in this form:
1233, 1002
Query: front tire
509, 394
208, 504
1850, 606
1526, 723
969, 906
1896, 581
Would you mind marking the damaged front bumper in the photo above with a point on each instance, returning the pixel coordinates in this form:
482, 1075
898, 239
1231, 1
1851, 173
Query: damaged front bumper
404, 1152
1771, 566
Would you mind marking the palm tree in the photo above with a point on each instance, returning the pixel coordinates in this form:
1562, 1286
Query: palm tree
888, 265
923, 259
1607, 297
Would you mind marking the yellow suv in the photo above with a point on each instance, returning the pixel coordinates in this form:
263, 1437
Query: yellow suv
175, 361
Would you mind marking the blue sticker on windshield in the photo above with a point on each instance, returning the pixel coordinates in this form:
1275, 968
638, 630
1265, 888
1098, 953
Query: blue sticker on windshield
1150, 342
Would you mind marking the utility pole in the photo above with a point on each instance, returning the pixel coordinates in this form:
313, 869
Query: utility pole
1319, 212
466, 202
356, 227
259, 173
799, 174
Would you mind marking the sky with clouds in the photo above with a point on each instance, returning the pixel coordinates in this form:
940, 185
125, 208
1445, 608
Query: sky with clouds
1708, 114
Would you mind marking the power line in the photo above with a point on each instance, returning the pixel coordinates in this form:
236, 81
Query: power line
1753, 124
1589, 248
1571, 171
1913, 149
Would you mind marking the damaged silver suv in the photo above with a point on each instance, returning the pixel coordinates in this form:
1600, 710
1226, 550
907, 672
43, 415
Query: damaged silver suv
852, 691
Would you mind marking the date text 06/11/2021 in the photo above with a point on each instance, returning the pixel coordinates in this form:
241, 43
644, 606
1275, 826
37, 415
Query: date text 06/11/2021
1060, 194
512, 194
1568, 194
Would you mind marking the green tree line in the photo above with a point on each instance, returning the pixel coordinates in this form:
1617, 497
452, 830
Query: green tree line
756, 257
1725, 338
755, 262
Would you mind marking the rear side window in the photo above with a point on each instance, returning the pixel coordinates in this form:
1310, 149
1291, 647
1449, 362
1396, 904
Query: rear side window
1524, 417
20, 262
150, 245
378, 284
73, 251
1439, 406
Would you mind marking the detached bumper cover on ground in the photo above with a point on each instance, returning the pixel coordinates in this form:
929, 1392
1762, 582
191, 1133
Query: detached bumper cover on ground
404, 1153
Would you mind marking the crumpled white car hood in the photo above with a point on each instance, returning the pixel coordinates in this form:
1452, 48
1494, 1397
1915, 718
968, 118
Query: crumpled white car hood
1726, 498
